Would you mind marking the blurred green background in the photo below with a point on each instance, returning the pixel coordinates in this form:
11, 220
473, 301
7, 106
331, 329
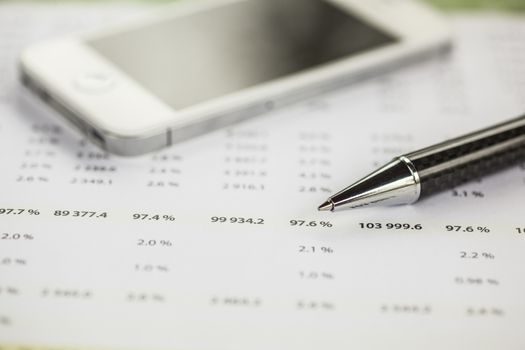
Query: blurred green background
447, 5
507, 5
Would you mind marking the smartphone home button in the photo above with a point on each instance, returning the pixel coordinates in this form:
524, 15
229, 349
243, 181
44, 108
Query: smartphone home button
94, 82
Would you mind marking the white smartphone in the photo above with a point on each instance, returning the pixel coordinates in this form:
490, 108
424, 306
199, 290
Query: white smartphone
195, 66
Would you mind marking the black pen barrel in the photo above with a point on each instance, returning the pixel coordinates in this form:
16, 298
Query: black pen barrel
469, 157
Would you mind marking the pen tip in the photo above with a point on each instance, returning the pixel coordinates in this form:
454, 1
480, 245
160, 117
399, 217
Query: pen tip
328, 205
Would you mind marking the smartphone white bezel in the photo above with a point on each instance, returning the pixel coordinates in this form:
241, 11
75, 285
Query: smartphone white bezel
125, 118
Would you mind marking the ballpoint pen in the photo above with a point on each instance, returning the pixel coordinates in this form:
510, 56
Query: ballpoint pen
416, 175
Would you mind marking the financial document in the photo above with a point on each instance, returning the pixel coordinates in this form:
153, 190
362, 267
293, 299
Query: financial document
216, 243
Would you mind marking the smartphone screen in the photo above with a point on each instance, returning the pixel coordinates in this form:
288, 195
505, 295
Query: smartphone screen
189, 59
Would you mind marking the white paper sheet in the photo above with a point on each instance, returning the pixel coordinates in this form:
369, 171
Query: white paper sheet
101, 252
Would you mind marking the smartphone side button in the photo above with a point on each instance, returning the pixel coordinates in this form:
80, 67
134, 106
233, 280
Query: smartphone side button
94, 82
